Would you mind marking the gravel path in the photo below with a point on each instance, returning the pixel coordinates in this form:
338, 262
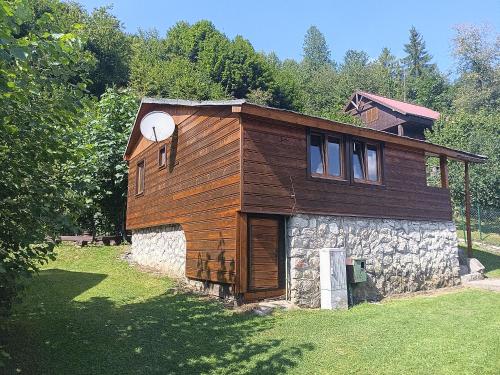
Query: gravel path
488, 284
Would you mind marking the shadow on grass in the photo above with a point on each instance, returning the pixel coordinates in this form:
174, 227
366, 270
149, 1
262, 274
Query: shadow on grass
489, 260
169, 334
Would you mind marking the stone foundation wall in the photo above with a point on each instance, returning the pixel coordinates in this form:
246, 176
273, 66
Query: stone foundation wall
401, 255
162, 248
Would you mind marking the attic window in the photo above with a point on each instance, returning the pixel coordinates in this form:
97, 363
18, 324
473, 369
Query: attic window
162, 156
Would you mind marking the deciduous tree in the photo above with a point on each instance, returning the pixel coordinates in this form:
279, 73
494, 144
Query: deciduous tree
110, 48
100, 174
38, 129
477, 52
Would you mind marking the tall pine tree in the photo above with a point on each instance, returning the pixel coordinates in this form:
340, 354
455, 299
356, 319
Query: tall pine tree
417, 58
316, 52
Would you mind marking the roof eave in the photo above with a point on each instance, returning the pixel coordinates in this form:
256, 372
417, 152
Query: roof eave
325, 124
242, 106
349, 102
127, 149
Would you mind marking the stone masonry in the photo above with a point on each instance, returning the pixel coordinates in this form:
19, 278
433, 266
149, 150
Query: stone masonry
162, 248
401, 255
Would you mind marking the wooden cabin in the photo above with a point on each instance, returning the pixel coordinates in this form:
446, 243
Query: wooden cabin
393, 116
241, 198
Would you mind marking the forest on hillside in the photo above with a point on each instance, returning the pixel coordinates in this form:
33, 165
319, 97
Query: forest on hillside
71, 81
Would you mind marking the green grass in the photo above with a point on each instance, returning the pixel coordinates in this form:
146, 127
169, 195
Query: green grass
90, 313
489, 235
487, 238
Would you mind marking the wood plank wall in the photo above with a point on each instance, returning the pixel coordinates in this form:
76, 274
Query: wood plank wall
275, 166
389, 119
386, 117
199, 189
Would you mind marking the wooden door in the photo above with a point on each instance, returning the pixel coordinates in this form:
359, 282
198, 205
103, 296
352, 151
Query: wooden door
266, 258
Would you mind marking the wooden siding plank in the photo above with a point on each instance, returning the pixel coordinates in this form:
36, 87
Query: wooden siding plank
199, 189
275, 157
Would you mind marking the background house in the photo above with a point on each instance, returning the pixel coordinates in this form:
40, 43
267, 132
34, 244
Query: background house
393, 116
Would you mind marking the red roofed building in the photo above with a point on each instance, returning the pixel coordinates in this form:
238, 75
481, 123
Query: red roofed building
393, 116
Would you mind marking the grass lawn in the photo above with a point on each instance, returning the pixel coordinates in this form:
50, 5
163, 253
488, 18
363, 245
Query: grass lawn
490, 238
90, 313
490, 229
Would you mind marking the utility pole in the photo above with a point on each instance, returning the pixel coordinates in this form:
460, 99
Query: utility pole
404, 84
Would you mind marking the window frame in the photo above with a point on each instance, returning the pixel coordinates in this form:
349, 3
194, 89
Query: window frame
161, 166
347, 172
325, 136
137, 178
380, 164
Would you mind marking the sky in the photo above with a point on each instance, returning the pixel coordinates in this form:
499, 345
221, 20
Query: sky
280, 26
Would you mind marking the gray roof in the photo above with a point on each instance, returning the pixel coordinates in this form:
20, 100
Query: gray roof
192, 103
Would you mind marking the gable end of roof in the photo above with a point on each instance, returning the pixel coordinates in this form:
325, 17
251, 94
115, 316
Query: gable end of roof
396, 105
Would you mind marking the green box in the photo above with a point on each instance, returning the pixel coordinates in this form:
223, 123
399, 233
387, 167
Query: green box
356, 271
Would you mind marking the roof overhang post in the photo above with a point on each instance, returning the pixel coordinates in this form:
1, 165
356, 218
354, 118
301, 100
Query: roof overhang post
467, 209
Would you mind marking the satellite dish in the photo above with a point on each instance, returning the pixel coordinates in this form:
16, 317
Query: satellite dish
157, 126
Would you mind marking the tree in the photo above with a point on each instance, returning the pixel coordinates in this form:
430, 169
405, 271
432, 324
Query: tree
111, 49
477, 132
107, 47
245, 70
173, 78
422, 82
472, 122
354, 74
57, 15
477, 53
199, 62
101, 182
38, 129
315, 48
385, 74
417, 58
285, 85
431, 89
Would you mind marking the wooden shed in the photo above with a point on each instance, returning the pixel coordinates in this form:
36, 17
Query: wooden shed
241, 196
